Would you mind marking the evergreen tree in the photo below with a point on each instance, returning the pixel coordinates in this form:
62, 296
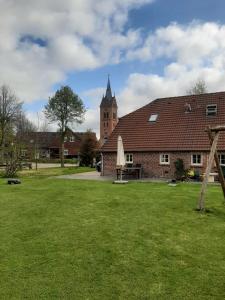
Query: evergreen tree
88, 149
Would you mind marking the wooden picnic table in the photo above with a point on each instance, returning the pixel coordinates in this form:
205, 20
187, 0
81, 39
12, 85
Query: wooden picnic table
130, 171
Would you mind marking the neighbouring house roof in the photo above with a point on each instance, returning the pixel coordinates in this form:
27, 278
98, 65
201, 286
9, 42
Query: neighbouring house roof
179, 125
51, 140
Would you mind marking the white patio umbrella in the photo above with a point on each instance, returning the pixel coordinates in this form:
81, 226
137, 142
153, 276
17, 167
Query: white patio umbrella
120, 160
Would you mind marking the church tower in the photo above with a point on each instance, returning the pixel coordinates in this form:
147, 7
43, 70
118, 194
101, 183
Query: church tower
108, 114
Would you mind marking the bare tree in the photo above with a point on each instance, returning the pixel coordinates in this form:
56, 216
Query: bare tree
44, 125
12, 159
24, 125
10, 110
198, 88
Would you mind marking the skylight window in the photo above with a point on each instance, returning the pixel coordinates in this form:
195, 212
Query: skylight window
211, 110
153, 117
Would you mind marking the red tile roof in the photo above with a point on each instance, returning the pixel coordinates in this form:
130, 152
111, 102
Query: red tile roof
174, 129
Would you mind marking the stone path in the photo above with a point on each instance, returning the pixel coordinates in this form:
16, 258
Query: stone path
50, 165
93, 175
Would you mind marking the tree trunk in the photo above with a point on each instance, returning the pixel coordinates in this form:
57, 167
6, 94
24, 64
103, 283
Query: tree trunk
2, 145
62, 150
2, 153
216, 158
201, 202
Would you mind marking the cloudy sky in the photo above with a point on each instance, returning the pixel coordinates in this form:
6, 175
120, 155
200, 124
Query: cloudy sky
150, 48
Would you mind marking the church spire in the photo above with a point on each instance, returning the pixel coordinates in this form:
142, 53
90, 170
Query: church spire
108, 93
108, 114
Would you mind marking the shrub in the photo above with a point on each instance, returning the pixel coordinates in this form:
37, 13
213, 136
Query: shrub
180, 170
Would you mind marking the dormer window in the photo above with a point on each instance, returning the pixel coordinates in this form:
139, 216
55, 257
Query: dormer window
187, 107
211, 110
153, 118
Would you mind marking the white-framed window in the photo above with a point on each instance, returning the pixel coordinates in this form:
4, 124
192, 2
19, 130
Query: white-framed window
65, 139
222, 159
23, 152
164, 159
37, 155
196, 159
211, 110
66, 152
71, 138
129, 158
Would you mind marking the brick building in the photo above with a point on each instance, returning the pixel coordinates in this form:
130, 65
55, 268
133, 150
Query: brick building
47, 144
166, 129
108, 114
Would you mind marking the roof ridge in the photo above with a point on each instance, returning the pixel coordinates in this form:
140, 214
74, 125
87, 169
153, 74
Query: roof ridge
187, 96
170, 98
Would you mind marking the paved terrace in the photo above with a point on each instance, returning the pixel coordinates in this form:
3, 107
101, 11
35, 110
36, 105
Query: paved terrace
94, 175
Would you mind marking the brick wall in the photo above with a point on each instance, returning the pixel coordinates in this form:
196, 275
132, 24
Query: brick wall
107, 125
150, 162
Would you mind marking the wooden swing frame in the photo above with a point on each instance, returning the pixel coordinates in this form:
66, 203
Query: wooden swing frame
213, 134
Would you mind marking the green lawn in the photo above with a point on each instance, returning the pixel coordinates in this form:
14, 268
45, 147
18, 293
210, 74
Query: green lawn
70, 239
47, 172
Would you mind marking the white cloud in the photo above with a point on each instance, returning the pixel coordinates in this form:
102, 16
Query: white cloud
41, 41
93, 96
194, 44
39, 120
91, 121
194, 52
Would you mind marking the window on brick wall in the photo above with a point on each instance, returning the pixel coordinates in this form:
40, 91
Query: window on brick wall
164, 159
222, 159
129, 158
196, 159
66, 152
23, 152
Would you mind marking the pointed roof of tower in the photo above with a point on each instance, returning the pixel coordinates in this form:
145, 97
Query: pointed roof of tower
108, 93
108, 99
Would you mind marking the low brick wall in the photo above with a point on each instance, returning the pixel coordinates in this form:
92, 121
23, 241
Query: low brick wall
150, 162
